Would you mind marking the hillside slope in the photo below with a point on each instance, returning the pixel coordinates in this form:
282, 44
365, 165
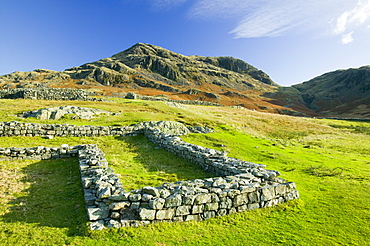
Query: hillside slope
339, 93
151, 66
151, 70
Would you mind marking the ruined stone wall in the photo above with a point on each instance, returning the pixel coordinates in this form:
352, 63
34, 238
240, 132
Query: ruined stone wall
39, 152
47, 94
151, 98
240, 186
109, 205
14, 128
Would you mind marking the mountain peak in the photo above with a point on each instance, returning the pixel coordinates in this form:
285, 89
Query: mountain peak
156, 70
143, 49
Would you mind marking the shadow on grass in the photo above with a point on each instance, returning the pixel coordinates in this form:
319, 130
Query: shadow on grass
54, 197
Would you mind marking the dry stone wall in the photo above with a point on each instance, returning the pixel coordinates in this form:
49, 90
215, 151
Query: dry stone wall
14, 128
132, 95
240, 186
39, 152
47, 94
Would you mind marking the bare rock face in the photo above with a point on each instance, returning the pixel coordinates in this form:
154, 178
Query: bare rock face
58, 112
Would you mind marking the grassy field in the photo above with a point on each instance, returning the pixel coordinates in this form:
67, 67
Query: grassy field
41, 202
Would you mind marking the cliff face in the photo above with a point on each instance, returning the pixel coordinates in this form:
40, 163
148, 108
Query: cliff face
191, 70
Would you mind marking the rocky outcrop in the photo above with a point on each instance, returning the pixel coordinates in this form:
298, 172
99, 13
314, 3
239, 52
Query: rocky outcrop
239, 66
58, 112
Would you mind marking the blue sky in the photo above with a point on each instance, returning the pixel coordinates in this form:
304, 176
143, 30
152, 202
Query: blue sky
291, 40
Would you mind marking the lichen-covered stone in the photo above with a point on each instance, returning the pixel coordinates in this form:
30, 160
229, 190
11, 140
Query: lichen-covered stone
208, 214
252, 206
97, 213
267, 193
134, 197
151, 191
195, 217
240, 200
173, 201
166, 214
97, 225
182, 210
202, 198
211, 206
147, 214
119, 205
157, 203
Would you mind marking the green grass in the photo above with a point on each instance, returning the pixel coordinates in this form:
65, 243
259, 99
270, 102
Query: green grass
329, 160
47, 206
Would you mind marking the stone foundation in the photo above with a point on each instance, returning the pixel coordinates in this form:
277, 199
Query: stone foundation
47, 94
240, 186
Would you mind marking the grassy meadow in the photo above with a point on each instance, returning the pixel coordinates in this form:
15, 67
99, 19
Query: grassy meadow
41, 202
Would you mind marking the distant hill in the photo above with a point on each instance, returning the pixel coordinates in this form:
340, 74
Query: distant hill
151, 70
151, 66
338, 93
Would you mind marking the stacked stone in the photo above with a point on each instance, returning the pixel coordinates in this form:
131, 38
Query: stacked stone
250, 187
108, 204
244, 185
15, 128
203, 199
101, 185
209, 159
39, 153
47, 94
189, 102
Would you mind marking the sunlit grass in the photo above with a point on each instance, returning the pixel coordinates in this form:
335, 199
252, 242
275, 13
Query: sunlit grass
329, 160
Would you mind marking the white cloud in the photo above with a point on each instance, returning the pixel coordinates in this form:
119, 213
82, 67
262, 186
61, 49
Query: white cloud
165, 4
341, 24
223, 8
266, 18
347, 38
269, 18
354, 17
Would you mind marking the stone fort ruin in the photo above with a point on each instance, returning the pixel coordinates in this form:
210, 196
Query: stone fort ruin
240, 185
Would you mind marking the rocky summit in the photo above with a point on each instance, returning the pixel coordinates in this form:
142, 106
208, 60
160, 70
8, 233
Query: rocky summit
150, 70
